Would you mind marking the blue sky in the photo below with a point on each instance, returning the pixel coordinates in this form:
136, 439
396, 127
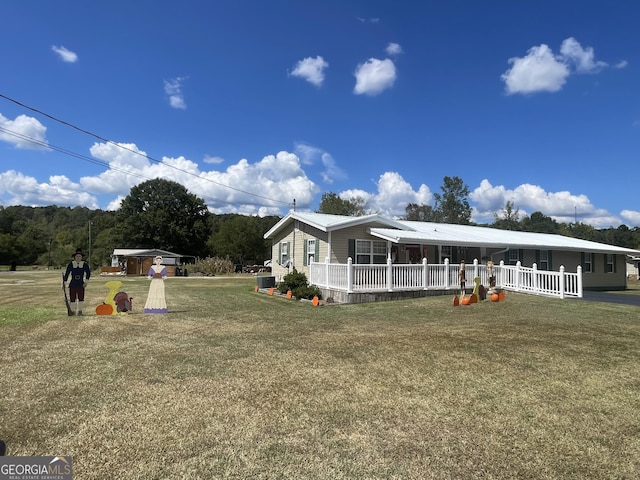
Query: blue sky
251, 104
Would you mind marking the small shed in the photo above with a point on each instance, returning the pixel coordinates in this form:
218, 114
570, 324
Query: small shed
137, 261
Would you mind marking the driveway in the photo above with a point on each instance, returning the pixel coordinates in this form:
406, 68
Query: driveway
624, 298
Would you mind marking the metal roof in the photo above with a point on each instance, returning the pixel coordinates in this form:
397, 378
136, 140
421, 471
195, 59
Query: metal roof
327, 223
404, 231
470, 235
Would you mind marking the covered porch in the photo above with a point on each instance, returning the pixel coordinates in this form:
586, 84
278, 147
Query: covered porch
358, 283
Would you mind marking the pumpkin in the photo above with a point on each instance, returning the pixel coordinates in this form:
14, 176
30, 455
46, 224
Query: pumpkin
289, 293
104, 309
466, 300
315, 301
495, 297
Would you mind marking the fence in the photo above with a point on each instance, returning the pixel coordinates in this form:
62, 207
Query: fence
389, 277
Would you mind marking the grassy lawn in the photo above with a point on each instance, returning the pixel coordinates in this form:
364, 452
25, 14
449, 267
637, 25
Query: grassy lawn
238, 384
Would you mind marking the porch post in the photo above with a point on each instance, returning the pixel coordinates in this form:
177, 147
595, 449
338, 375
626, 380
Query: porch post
349, 275
446, 273
326, 272
579, 270
500, 276
425, 274
389, 275
561, 281
475, 268
535, 277
518, 273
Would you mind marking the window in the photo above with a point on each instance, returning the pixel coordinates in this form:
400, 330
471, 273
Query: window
284, 254
587, 263
543, 264
514, 257
445, 252
311, 251
610, 263
371, 251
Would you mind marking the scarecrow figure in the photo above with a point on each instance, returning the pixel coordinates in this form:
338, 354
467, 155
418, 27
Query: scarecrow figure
462, 277
156, 302
80, 273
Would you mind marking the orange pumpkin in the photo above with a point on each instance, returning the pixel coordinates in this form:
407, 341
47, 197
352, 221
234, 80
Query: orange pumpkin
466, 300
104, 309
315, 301
289, 294
495, 297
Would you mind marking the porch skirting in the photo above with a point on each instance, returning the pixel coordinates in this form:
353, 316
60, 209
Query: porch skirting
339, 296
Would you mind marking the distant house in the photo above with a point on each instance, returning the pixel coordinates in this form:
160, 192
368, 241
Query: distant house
307, 241
137, 261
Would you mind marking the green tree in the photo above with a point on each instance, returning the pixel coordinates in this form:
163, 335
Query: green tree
241, 239
420, 213
540, 223
509, 219
331, 203
452, 205
163, 214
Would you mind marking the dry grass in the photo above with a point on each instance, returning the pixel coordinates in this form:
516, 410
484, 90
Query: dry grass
236, 384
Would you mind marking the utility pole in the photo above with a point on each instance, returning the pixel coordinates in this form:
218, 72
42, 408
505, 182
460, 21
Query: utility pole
90, 223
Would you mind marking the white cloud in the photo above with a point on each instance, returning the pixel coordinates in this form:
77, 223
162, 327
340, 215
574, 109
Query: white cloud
20, 189
24, 132
393, 195
212, 159
539, 71
311, 69
543, 71
173, 89
621, 64
310, 155
393, 49
65, 54
374, 76
631, 217
582, 58
277, 179
562, 206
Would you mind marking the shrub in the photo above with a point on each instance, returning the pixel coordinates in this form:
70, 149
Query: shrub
299, 285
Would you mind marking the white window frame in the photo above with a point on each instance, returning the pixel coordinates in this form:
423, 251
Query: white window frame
609, 263
514, 256
588, 263
369, 252
311, 250
544, 260
284, 253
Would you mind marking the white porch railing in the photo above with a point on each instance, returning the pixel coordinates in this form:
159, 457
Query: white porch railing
389, 277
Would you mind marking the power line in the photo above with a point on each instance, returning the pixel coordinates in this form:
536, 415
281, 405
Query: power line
35, 141
102, 139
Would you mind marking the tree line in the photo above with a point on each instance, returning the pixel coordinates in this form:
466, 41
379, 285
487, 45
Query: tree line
163, 214
156, 214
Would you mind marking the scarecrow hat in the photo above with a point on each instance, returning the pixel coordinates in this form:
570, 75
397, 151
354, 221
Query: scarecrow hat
78, 252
